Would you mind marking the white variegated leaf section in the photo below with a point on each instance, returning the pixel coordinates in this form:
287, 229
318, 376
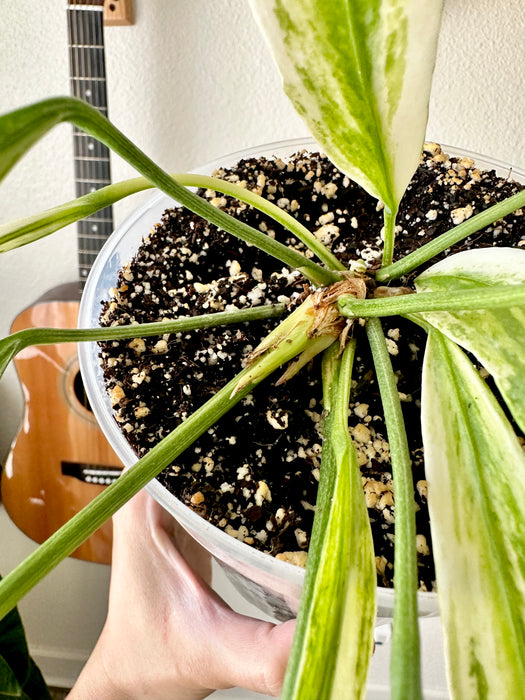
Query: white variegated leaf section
475, 469
496, 338
359, 73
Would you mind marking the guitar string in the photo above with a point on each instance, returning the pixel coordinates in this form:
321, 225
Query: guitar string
85, 62
87, 74
78, 70
88, 79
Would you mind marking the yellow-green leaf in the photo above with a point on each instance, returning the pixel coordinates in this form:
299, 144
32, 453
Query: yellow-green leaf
333, 642
476, 489
359, 74
495, 336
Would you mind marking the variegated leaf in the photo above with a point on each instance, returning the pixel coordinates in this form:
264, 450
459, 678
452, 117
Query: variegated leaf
333, 642
359, 73
475, 468
496, 337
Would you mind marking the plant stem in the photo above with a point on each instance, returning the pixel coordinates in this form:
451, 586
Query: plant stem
23, 127
505, 296
31, 228
14, 343
389, 223
404, 660
458, 233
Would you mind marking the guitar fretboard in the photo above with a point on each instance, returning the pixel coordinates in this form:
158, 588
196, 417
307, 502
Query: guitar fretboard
91, 158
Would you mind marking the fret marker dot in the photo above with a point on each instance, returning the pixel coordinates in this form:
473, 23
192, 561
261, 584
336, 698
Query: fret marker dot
92, 189
88, 93
91, 145
94, 227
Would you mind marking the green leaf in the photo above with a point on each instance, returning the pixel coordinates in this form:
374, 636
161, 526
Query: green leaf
9, 685
19, 676
333, 642
475, 469
20, 129
359, 74
495, 336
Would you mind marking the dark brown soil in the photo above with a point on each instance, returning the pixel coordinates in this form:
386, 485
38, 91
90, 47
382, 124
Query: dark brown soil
255, 474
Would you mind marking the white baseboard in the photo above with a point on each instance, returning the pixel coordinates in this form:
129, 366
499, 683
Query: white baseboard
60, 667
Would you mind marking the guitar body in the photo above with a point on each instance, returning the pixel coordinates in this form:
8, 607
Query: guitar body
59, 448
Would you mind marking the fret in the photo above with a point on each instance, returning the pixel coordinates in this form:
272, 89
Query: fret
83, 188
93, 241
100, 181
89, 252
92, 170
93, 183
86, 46
96, 218
91, 159
86, 145
87, 62
87, 77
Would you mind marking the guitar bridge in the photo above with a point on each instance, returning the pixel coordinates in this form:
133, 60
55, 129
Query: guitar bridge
91, 473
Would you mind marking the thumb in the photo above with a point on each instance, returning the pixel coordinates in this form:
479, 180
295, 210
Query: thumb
253, 654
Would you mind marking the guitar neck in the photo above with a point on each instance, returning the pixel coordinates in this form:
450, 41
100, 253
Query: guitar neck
91, 158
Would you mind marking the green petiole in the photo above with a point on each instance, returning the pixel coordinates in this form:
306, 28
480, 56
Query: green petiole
458, 233
504, 296
389, 236
31, 228
404, 661
13, 344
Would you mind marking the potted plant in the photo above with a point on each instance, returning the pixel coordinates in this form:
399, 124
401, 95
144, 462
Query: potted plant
361, 78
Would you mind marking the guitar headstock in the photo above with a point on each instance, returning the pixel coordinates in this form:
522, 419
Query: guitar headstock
116, 12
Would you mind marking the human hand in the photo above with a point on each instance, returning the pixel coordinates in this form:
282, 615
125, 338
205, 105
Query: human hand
168, 635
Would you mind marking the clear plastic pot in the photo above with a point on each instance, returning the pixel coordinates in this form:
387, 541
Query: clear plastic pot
272, 585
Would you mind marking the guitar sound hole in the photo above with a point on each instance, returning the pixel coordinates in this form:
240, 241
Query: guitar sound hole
80, 392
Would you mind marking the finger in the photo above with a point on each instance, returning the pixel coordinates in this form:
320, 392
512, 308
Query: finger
253, 654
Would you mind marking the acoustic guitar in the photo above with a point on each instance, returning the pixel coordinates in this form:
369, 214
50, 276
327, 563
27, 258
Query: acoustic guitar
60, 459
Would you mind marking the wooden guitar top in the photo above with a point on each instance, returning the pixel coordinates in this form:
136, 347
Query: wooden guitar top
59, 448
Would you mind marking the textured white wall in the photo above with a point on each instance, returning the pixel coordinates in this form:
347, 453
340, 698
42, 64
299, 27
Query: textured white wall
188, 82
